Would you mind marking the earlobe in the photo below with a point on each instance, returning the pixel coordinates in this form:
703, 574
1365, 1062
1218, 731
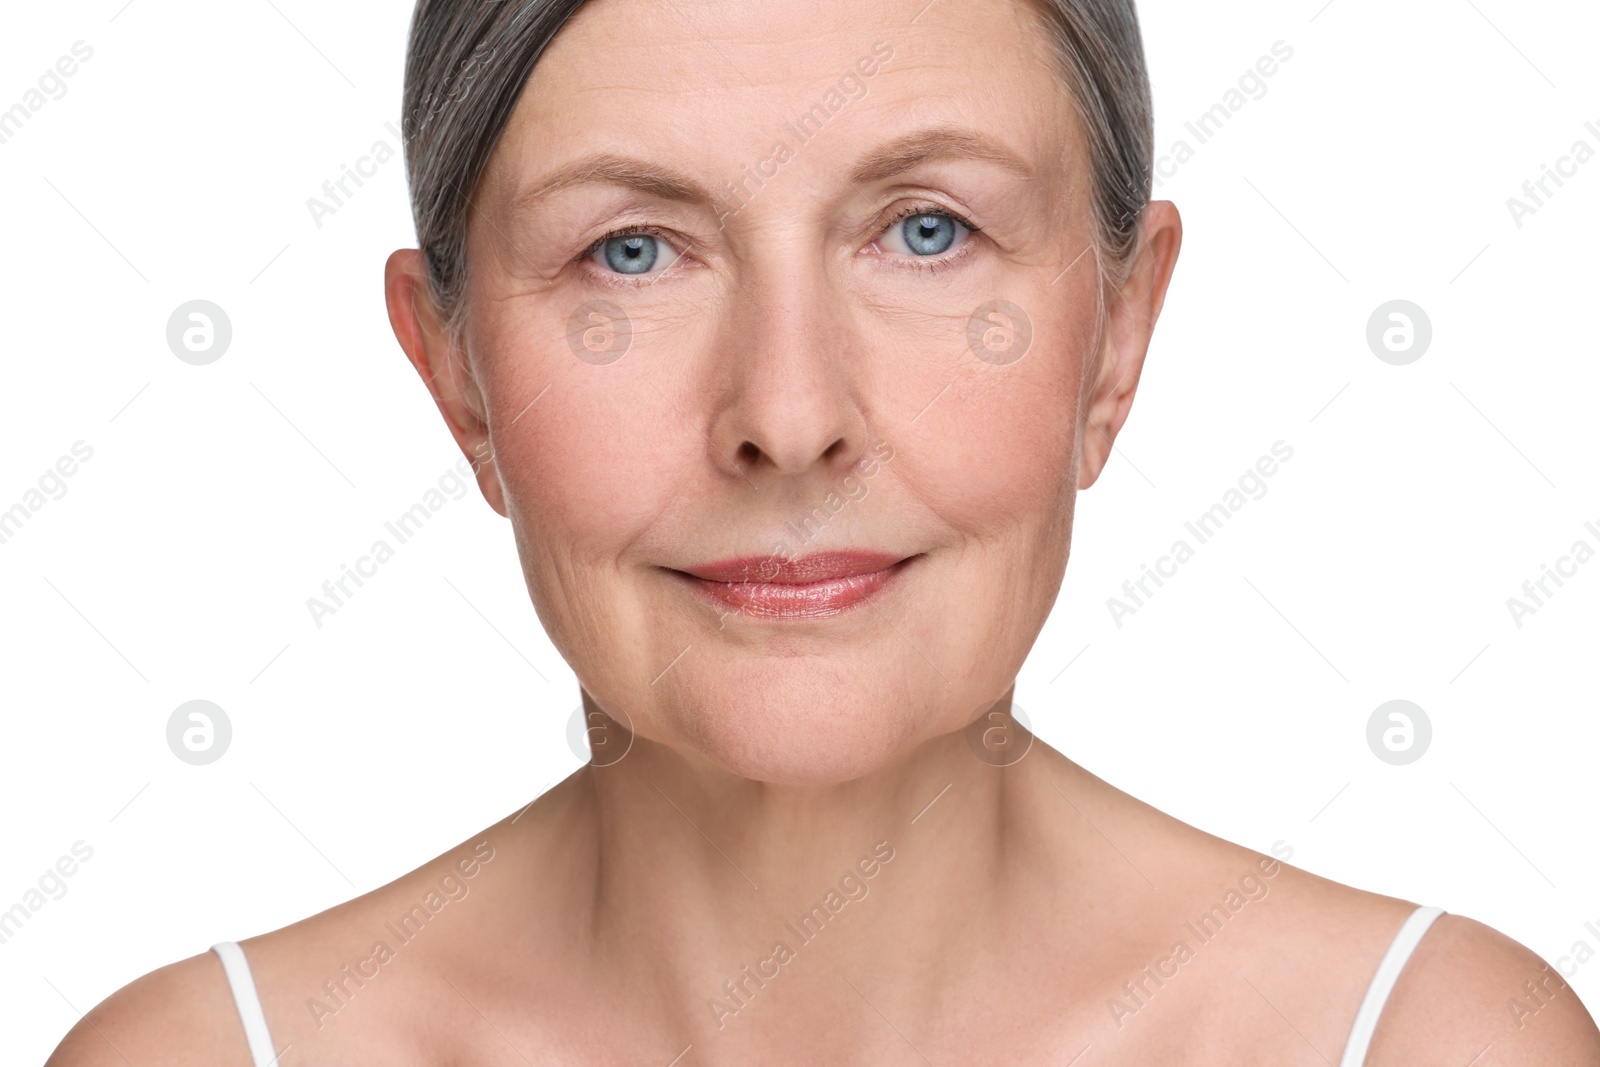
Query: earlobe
435, 355
483, 466
1108, 391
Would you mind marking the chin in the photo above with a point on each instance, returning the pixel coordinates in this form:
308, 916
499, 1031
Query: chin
797, 724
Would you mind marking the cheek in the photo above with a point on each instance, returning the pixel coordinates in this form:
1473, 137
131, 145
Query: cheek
587, 452
998, 449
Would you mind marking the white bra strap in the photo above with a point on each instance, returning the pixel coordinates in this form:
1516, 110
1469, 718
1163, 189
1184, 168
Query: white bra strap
1383, 980
248, 1002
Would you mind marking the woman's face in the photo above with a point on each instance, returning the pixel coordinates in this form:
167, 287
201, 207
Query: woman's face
788, 349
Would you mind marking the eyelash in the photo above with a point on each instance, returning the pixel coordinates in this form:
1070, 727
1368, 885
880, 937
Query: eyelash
623, 280
920, 263
931, 264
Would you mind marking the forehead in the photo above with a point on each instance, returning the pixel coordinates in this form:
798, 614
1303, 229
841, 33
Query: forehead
709, 86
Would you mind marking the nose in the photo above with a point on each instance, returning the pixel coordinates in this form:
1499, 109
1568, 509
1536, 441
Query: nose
788, 378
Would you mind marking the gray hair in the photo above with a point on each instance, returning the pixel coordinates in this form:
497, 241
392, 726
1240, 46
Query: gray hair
467, 62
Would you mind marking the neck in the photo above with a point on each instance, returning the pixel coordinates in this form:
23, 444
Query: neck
721, 890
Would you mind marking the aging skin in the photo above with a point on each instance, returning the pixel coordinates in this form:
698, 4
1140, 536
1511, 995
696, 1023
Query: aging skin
775, 347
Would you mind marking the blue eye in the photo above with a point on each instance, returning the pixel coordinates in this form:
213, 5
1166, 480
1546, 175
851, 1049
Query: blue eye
928, 235
631, 253
925, 235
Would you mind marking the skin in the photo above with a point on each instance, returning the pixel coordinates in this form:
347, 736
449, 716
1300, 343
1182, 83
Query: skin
767, 759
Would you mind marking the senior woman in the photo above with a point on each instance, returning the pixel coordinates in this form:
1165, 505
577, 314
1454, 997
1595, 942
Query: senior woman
693, 275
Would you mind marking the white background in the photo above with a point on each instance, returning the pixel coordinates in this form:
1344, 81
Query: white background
177, 565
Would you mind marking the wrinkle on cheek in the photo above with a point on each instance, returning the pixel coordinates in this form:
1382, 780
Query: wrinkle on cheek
580, 517
944, 321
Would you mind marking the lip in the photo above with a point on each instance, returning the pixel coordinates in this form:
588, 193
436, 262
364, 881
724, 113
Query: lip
819, 585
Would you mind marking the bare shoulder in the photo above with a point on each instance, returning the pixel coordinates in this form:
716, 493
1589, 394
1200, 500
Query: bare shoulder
1287, 954
1470, 991
328, 985
181, 1014
361, 982
1468, 994
1301, 951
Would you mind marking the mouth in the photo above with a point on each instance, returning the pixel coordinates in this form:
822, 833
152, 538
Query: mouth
816, 586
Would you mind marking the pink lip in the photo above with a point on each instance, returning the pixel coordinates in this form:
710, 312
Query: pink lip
775, 588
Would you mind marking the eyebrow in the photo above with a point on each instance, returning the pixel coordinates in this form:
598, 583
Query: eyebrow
936, 144
902, 154
608, 168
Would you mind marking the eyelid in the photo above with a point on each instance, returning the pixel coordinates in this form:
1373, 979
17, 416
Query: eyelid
628, 231
611, 277
924, 207
943, 260
928, 207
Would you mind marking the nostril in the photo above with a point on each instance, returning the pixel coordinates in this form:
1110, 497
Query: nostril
748, 452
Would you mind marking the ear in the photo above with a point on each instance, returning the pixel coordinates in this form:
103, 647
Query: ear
443, 365
1109, 386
